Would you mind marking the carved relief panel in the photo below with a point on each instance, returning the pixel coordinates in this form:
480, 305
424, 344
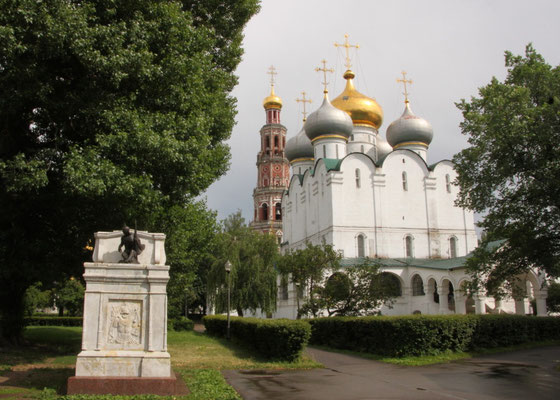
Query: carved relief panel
124, 324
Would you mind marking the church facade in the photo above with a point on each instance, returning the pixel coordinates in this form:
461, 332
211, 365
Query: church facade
368, 196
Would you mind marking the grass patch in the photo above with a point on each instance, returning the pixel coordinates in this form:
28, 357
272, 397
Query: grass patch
207, 384
42, 367
444, 357
195, 350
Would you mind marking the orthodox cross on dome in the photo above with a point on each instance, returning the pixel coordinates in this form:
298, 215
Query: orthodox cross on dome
304, 100
272, 72
324, 70
347, 46
404, 82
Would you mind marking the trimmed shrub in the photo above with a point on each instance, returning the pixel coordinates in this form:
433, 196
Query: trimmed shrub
280, 339
424, 335
54, 321
180, 324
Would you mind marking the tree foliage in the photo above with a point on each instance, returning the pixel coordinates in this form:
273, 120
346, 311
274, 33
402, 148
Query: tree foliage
511, 171
110, 112
253, 274
308, 268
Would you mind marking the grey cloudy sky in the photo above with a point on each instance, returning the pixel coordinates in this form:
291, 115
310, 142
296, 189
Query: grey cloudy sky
449, 48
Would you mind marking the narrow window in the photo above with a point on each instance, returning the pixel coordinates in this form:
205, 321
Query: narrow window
358, 178
417, 286
447, 183
276, 141
278, 211
362, 147
453, 247
337, 151
267, 142
324, 151
361, 250
265, 212
404, 181
299, 170
408, 247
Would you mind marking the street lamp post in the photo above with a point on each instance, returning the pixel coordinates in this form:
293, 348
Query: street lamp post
297, 299
228, 271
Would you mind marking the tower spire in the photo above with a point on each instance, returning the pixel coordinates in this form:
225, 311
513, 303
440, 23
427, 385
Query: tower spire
404, 81
304, 100
324, 70
347, 46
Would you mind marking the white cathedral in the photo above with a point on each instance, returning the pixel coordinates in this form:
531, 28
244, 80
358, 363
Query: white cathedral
382, 199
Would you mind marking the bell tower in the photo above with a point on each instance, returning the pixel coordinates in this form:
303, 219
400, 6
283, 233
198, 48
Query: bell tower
273, 168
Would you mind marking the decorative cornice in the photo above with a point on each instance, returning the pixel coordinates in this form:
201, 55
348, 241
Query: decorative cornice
330, 137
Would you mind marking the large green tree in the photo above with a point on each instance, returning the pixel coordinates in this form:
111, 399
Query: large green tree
253, 273
111, 111
308, 269
511, 170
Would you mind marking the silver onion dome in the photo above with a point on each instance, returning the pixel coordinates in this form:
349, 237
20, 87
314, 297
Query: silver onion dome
409, 129
299, 147
328, 120
383, 148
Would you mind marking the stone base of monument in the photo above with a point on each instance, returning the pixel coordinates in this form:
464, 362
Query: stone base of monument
127, 386
124, 338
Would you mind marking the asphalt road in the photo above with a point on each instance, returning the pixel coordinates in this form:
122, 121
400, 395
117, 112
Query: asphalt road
525, 374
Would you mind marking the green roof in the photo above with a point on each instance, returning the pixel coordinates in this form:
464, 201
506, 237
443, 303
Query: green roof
448, 264
332, 164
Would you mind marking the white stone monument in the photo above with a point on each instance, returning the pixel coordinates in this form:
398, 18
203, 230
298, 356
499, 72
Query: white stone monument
124, 338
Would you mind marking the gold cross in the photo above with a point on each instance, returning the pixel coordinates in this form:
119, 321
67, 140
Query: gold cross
405, 81
347, 46
304, 100
272, 72
325, 70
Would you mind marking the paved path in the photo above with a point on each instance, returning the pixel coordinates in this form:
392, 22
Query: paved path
526, 374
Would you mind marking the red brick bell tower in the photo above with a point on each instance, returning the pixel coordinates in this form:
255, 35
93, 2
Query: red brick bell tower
273, 168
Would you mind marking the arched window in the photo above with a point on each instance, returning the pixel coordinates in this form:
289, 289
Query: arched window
391, 284
358, 178
404, 181
265, 212
267, 142
417, 286
408, 246
361, 246
278, 212
447, 183
452, 247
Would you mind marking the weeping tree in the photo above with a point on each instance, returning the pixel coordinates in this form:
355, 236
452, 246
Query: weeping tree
253, 273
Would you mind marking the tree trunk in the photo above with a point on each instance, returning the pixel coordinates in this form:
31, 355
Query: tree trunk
239, 312
11, 314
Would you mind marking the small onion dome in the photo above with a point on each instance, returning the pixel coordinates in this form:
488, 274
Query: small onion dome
383, 148
409, 129
328, 121
362, 109
272, 101
299, 148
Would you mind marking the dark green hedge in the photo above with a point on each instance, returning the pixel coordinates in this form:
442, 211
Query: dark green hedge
280, 339
54, 321
180, 324
423, 335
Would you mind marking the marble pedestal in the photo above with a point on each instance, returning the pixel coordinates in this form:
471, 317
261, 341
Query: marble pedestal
125, 319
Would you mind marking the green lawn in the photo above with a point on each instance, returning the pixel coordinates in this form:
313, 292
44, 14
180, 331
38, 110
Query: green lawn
42, 367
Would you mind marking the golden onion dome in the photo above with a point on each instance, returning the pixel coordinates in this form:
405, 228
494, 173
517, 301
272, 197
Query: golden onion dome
272, 101
362, 109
